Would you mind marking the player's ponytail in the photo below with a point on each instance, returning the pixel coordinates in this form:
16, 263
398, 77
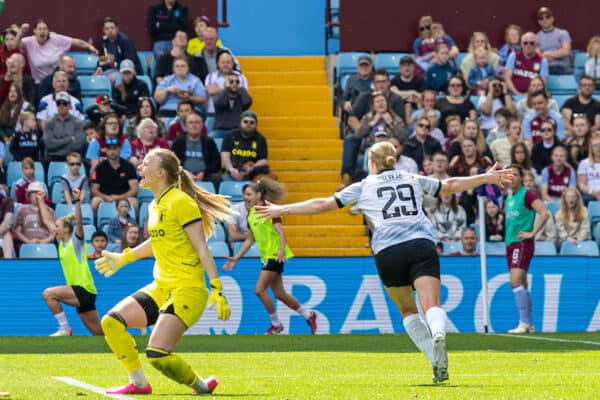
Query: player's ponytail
269, 189
383, 154
213, 207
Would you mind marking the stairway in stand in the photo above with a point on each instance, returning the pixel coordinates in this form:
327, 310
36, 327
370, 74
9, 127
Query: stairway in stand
293, 103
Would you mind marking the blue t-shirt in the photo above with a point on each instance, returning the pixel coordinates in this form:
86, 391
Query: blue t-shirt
191, 83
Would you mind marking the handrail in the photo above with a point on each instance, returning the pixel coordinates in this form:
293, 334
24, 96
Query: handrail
223, 23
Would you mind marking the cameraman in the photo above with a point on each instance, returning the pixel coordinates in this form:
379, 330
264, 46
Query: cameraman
496, 97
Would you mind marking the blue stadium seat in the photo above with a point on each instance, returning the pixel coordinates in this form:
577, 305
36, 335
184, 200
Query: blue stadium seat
147, 60
584, 248
43, 250
210, 123
460, 57
107, 211
57, 194
88, 231
206, 185
593, 213
143, 214
218, 249
232, 189
85, 63
562, 84
553, 207
13, 193
561, 98
56, 169
389, 61
87, 102
452, 247
495, 248
545, 249
95, 85
13, 172
219, 235
86, 212
595, 231
253, 252
579, 62
346, 64
145, 195
475, 101
219, 143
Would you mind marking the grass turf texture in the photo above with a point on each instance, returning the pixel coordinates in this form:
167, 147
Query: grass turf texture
319, 367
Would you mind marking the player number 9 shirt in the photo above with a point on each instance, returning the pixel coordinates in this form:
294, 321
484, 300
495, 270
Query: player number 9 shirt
177, 263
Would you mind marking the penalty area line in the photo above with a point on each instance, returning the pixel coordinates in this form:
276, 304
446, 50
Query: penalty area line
548, 339
92, 388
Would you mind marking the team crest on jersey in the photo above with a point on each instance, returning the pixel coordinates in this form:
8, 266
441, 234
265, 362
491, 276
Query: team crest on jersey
253, 145
566, 179
236, 142
536, 66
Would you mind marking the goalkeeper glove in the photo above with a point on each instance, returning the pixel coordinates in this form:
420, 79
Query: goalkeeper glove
218, 298
110, 262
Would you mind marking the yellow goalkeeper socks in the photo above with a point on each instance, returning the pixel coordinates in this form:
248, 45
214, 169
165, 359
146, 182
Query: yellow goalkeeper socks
120, 341
172, 366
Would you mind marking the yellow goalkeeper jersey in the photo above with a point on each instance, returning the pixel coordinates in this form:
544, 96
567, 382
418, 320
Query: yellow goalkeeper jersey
177, 263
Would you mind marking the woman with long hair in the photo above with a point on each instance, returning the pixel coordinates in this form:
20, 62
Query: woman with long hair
588, 172
524, 105
512, 42
180, 218
274, 252
449, 218
472, 130
578, 145
520, 155
11, 109
479, 40
145, 109
404, 240
381, 119
110, 127
572, 222
456, 102
11, 44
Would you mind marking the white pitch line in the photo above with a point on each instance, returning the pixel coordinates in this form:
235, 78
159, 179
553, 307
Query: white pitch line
548, 339
92, 388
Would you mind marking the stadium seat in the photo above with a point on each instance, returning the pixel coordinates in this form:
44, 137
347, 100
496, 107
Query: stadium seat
560, 99
346, 64
13, 193
545, 249
88, 231
593, 213
143, 214
43, 250
57, 194
584, 248
219, 235
14, 173
86, 212
595, 231
389, 61
210, 123
553, 207
56, 169
87, 102
460, 57
145, 195
85, 63
475, 101
147, 59
219, 143
495, 248
233, 189
579, 62
95, 85
452, 247
206, 185
218, 249
107, 211
562, 84
253, 252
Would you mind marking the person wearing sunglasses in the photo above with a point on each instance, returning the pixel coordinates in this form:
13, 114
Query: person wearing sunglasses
541, 152
525, 64
229, 104
63, 133
421, 143
75, 178
554, 43
424, 45
533, 121
218, 80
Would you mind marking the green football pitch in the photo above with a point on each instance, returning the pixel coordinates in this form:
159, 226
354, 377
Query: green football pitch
541, 366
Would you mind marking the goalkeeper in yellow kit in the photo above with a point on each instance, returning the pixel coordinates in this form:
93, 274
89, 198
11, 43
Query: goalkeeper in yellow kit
180, 217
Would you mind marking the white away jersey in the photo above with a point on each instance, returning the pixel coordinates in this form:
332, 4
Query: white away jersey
392, 201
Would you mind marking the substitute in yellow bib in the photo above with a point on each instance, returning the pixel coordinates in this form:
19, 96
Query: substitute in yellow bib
180, 218
274, 252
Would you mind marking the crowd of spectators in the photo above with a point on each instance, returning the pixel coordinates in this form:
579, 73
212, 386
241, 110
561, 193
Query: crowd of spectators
455, 114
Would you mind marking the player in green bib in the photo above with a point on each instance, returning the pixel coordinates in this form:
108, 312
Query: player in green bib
274, 252
80, 291
520, 210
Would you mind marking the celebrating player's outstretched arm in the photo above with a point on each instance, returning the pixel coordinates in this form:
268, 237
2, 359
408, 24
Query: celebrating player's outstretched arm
111, 262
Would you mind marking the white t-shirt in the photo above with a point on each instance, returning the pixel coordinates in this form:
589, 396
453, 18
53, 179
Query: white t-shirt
592, 174
43, 59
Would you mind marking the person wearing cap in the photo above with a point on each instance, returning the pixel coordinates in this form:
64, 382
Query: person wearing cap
115, 47
47, 108
29, 227
104, 106
361, 82
63, 133
166, 18
244, 150
196, 45
128, 92
67, 65
407, 85
554, 43
114, 178
524, 65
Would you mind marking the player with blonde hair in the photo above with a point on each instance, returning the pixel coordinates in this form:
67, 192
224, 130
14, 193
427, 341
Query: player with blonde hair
180, 218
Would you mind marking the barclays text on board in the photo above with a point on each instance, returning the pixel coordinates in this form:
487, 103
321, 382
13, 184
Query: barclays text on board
345, 292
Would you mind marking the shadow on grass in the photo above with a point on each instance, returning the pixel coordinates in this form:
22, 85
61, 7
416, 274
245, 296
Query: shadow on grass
385, 343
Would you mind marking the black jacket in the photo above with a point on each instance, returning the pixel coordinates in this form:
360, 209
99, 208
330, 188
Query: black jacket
211, 154
228, 109
168, 22
129, 95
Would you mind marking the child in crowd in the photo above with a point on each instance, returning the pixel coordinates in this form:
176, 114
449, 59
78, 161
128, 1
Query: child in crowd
439, 74
118, 223
494, 222
439, 36
91, 132
502, 115
99, 243
177, 127
74, 179
481, 73
28, 169
27, 141
427, 165
453, 129
433, 116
